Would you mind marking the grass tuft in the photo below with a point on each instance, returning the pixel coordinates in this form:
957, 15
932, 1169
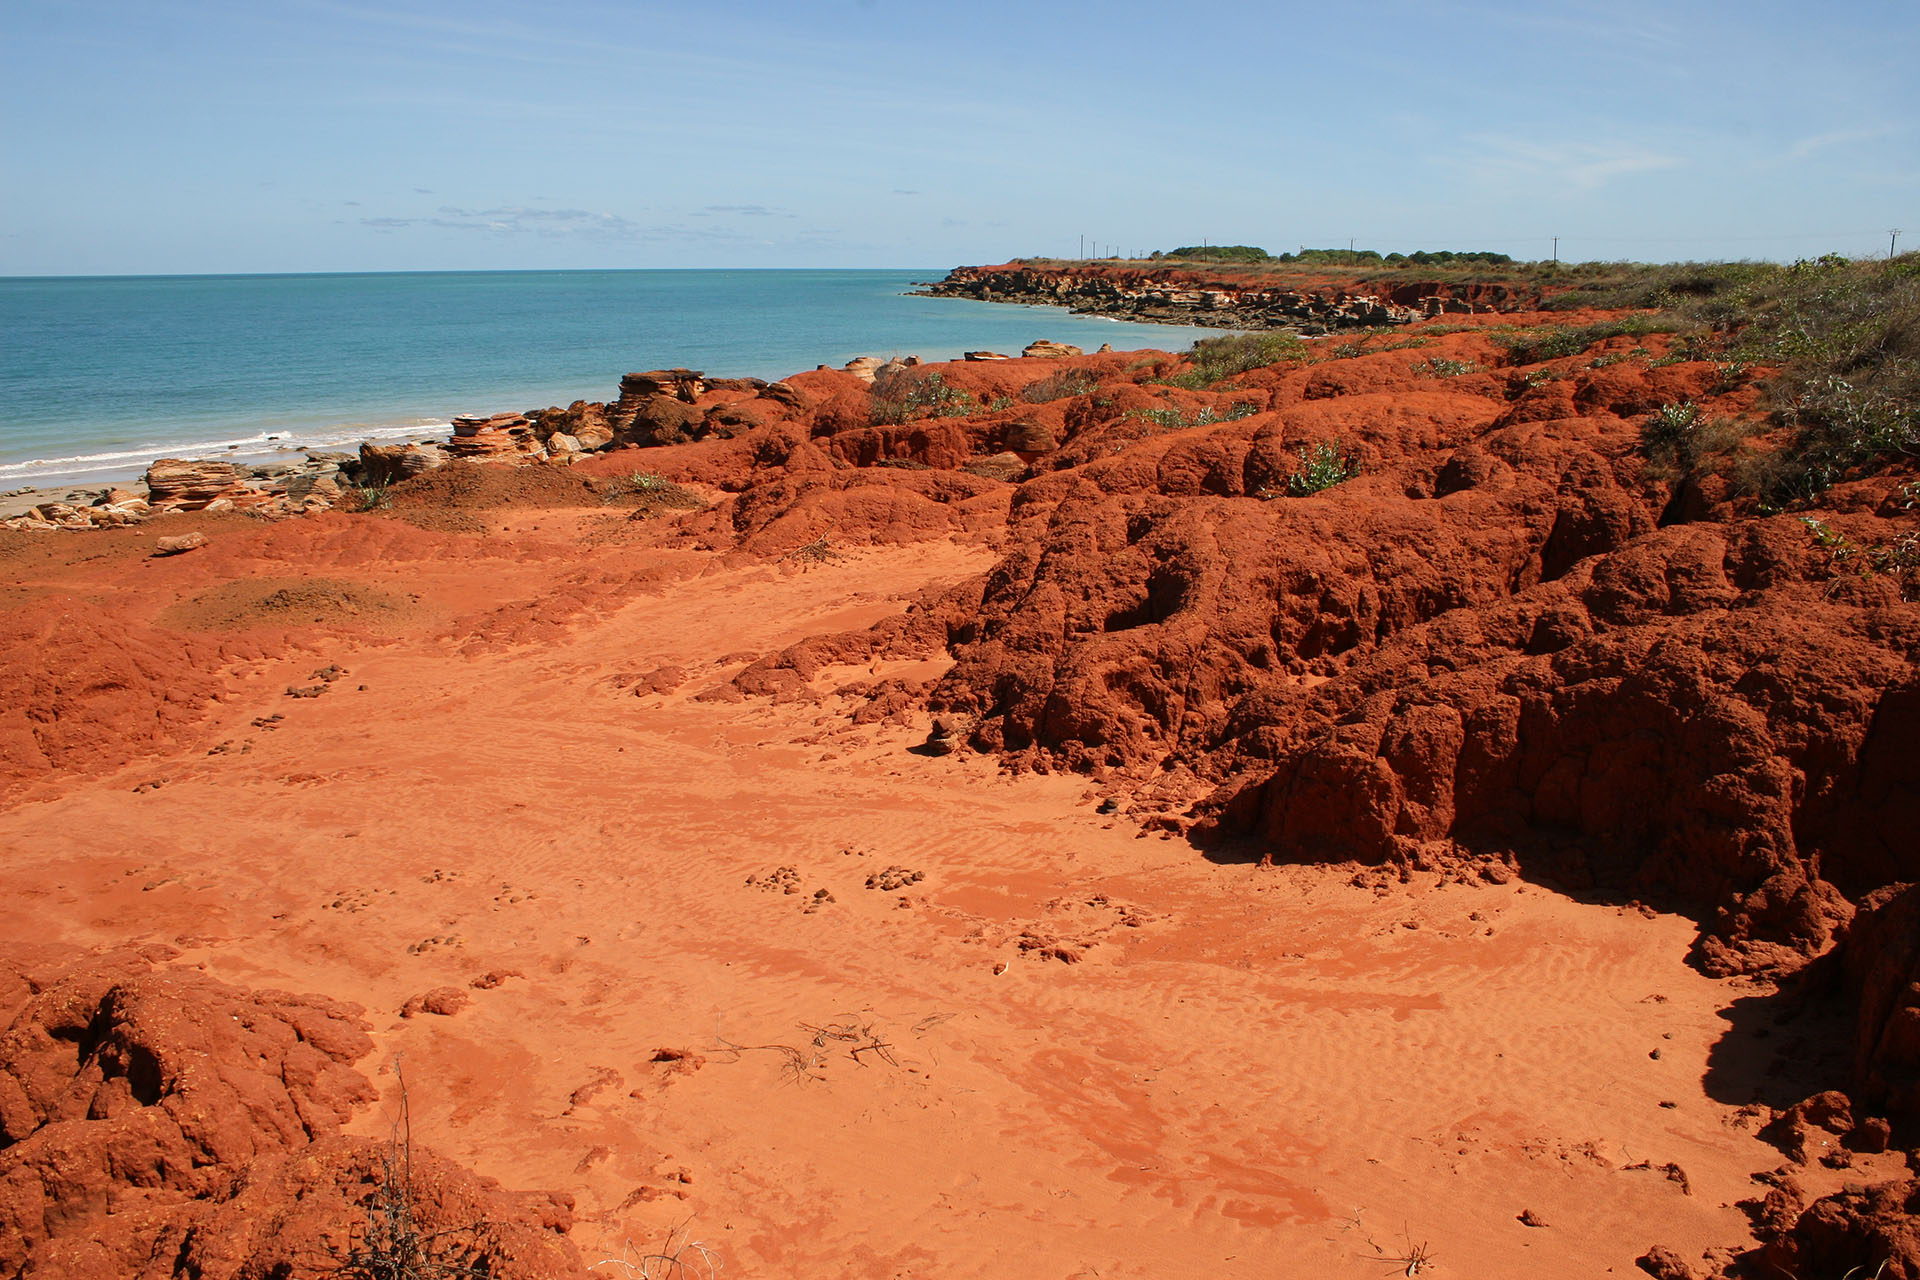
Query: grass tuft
1059, 386
905, 394
1216, 359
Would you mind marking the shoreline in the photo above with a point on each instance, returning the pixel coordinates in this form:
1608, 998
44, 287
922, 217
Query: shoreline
265, 449
17, 502
129, 381
654, 407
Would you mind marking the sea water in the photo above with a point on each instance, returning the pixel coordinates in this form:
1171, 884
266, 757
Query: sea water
100, 375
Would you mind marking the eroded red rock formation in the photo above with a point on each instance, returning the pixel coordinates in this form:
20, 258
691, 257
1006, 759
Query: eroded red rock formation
155, 1122
1508, 641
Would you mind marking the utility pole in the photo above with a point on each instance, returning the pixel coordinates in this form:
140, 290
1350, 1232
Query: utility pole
1083, 245
1349, 252
1556, 251
1893, 238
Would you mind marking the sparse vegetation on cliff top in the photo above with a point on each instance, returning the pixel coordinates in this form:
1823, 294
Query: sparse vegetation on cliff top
1327, 257
1843, 335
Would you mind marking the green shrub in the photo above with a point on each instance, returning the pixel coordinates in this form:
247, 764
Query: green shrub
1448, 257
904, 394
1844, 335
1846, 339
1668, 437
1730, 375
1233, 413
1531, 346
1174, 420
1216, 253
1898, 559
1192, 380
1232, 353
1556, 342
1322, 466
1165, 419
1643, 285
1441, 368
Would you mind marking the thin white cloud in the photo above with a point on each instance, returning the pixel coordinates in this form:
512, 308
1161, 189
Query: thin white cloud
1583, 166
550, 224
1588, 25
1808, 147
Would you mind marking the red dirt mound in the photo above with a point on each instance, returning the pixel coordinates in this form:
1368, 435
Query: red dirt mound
476, 486
83, 687
159, 1123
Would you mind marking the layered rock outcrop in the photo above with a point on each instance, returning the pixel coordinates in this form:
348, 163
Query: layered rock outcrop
500, 435
384, 464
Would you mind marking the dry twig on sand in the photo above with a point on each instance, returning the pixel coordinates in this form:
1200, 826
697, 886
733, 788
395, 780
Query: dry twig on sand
680, 1257
797, 1069
861, 1035
815, 552
1413, 1261
392, 1244
804, 1064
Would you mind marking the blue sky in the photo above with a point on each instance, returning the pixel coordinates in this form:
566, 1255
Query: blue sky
326, 135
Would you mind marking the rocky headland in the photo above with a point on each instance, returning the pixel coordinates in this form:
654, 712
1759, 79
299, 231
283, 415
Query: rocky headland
1220, 300
1247, 796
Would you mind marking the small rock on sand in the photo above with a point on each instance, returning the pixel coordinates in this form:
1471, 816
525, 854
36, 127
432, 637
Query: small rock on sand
176, 544
444, 1001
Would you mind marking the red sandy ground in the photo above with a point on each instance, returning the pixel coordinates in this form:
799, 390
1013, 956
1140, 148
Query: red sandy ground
1077, 1049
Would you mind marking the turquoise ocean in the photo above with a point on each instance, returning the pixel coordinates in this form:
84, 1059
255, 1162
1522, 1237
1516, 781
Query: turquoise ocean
100, 375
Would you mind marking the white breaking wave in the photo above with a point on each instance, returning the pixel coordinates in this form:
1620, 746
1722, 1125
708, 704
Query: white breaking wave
80, 467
